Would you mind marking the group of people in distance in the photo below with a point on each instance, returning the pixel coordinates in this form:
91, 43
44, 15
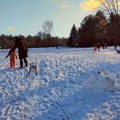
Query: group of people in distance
97, 46
22, 53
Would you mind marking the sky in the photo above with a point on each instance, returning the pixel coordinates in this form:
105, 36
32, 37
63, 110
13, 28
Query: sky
26, 17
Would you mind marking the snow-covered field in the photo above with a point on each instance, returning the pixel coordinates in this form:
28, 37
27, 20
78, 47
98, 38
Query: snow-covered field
72, 84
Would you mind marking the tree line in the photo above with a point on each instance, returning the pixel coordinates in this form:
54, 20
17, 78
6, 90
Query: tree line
32, 41
94, 28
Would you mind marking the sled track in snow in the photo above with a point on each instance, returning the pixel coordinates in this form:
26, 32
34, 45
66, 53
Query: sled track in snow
7, 110
17, 110
14, 109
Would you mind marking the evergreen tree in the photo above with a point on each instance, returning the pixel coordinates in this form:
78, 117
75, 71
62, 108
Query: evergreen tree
73, 37
89, 31
92, 30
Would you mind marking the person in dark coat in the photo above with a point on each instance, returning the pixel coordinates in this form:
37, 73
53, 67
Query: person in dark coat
98, 46
22, 51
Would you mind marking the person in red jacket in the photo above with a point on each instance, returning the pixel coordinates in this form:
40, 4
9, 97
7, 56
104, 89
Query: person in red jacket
13, 58
95, 47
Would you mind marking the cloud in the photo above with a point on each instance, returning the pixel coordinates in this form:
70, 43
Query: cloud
119, 3
11, 28
90, 4
64, 6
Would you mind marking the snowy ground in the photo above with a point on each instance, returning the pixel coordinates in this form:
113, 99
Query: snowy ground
72, 84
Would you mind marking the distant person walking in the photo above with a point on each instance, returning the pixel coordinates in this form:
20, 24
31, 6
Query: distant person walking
22, 51
103, 45
98, 46
115, 46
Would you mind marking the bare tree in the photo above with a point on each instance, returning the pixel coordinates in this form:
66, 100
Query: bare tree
47, 27
112, 7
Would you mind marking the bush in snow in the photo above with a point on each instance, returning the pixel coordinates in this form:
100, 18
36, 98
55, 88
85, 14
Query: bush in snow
101, 81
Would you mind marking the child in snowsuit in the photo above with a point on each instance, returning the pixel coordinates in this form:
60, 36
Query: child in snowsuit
13, 57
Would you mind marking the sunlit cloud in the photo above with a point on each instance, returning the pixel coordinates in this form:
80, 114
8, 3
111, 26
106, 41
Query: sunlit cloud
90, 4
64, 6
119, 3
11, 28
